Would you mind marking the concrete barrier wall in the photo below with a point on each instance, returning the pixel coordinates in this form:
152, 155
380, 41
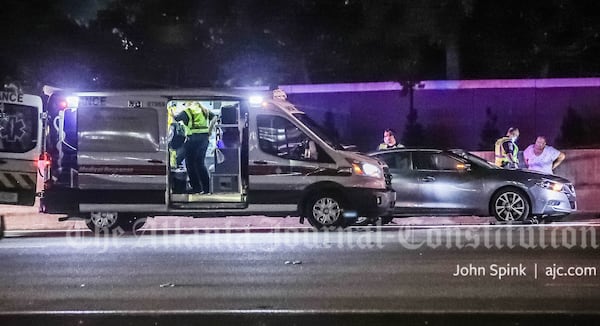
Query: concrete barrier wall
454, 114
581, 167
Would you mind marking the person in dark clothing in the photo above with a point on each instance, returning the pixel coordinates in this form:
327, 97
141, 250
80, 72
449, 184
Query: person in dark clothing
199, 122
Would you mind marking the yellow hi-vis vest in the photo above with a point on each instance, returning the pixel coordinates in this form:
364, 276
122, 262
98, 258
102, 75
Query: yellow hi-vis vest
500, 154
197, 121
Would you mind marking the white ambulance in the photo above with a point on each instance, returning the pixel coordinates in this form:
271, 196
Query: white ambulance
104, 156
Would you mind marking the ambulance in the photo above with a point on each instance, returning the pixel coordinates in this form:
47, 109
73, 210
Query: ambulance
104, 156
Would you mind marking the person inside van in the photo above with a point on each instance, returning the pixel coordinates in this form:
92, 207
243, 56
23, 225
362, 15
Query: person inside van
199, 122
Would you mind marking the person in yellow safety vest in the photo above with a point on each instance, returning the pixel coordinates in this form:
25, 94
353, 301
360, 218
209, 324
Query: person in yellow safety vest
389, 140
199, 122
506, 150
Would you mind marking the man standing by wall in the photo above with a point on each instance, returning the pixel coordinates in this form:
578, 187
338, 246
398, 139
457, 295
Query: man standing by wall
506, 150
541, 157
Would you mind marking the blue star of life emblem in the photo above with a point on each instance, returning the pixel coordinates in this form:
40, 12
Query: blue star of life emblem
12, 129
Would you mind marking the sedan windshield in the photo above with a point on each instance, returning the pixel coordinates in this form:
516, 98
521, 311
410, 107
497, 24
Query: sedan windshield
476, 159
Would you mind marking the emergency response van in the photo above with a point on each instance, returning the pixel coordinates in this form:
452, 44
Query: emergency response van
105, 156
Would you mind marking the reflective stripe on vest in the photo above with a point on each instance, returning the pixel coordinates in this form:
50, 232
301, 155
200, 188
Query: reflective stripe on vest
500, 153
197, 122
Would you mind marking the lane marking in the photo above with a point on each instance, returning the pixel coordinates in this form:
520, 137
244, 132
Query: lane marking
291, 311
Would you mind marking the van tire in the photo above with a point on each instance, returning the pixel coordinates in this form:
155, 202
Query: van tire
102, 222
107, 222
386, 220
325, 210
131, 222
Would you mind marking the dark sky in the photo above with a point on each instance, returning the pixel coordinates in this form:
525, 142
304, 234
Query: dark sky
245, 42
83, 9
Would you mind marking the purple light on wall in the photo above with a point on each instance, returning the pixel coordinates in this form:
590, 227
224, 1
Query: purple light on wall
443, 85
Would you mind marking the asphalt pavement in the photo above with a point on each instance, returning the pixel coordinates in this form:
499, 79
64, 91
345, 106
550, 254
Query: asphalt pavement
432, 274
26, 220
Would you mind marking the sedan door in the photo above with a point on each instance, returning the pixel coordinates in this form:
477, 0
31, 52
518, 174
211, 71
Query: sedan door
447, 184
404, 181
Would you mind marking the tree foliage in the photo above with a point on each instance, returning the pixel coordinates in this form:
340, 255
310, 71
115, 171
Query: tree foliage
144, 43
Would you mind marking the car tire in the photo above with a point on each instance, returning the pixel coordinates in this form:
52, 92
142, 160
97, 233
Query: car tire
386, 220
510, 205
552, 219
365, 221
326, 210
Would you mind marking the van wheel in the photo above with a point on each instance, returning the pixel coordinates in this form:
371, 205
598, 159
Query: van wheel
325, 211
510, 205
102, 222
386, 220
105, 222
131, 222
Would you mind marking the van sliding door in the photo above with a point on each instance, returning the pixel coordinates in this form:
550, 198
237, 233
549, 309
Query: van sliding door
120, 157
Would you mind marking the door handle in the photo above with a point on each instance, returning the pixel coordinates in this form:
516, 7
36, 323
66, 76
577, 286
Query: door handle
261, 162
155, 161
428, 179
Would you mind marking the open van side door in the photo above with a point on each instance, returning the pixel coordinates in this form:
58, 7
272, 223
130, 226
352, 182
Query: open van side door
226, 158
20, 147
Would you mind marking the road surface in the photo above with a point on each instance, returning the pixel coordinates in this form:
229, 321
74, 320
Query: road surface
407, 271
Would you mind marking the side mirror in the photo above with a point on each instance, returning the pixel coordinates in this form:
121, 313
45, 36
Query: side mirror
463, 167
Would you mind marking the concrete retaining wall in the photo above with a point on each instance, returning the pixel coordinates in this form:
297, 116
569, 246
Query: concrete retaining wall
454, 114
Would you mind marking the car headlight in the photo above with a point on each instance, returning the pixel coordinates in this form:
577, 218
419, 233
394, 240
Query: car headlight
366, 169
551, 185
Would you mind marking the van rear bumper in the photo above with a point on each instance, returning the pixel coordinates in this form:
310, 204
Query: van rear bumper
371, 202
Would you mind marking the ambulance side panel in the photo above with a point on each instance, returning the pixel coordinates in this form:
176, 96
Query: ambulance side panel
20, 147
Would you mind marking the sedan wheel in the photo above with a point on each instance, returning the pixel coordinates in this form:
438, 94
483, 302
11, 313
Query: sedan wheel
510, 205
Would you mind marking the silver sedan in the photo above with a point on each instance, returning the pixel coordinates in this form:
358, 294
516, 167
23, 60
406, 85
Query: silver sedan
436, 182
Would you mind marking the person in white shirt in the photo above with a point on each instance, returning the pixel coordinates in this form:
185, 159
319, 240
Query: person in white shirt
542, 157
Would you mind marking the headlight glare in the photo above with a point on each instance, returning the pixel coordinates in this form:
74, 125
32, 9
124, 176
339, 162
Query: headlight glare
366, 169
551, 185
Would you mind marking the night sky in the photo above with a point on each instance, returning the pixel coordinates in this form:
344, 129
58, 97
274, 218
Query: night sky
135, 43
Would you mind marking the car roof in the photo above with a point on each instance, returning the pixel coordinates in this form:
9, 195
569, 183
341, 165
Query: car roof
400, 150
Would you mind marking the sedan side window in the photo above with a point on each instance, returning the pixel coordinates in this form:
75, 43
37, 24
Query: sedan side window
397, 161
435, 162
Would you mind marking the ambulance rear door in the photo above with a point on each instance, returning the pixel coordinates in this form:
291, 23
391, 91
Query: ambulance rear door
20, 147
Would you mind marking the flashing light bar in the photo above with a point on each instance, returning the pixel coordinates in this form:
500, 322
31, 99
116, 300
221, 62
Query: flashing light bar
72, 101
255, 100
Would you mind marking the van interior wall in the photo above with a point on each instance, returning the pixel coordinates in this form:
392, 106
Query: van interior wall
456, 118
581, 166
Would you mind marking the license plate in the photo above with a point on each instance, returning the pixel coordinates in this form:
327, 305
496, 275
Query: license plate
9, 197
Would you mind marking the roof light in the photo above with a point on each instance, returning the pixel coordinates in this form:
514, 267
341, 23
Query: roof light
255, 100
279, 94
72, 101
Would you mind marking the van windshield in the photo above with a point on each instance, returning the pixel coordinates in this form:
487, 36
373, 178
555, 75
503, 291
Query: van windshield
321, 132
